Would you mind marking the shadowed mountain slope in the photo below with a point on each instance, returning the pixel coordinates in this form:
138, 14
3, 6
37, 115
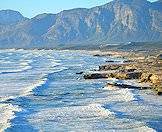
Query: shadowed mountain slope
117, 21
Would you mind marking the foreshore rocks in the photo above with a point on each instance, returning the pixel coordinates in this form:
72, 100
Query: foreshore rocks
145, 70
110, 67
95, 76
127, 86
159, 57
117, 75
128, 75
80, 72
154, 79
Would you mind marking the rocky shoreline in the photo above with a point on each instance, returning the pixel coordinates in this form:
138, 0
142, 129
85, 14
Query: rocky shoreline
139, 66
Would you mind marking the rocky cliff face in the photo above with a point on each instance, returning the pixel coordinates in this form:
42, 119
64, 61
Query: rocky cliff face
117, 21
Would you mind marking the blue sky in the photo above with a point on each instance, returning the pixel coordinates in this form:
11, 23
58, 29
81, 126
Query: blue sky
30, 8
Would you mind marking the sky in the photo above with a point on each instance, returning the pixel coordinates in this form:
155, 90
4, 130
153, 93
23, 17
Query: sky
31, 8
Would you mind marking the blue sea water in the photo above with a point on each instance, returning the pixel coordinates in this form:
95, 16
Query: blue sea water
40, 91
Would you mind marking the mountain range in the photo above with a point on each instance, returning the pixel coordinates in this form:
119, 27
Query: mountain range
118, 21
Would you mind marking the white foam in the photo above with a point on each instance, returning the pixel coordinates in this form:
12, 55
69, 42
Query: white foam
124, 93
7, 50
32, 86
7, 112
70, 113
24, 91
16, 70
143, 129
121, 94
20, 50
18, 66
55, 64
92, 117
66, 115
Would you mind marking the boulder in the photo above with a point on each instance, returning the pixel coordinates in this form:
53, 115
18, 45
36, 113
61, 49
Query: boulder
145, 77
158, 89
155, 79
159, 57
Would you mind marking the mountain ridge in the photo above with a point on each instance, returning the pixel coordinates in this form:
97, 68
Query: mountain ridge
114, 22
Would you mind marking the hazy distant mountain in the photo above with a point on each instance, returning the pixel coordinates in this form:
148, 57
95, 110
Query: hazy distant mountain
117, 21
10, 17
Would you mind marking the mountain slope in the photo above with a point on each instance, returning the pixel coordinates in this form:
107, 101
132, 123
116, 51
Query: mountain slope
117, 21
8, 17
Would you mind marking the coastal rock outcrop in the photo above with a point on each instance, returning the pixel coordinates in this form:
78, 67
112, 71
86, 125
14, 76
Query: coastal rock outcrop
110, 67
145, 69
114, 74
95, 76
127, 75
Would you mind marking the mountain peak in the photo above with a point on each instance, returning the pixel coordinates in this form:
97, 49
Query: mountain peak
118, 21
132, 1
10, 17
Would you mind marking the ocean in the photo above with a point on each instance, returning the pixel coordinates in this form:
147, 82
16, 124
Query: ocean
40, 91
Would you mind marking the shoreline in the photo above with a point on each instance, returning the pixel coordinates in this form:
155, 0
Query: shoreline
144, 68
92, 101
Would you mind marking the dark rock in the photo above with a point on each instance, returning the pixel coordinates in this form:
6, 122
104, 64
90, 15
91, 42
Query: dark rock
127, 75
128, 70
159, 93
95, 76
145, 77
109, 67
159, 57
128, 61
79, 72
158, 89
110, 61
119, 75
134, 75
126, 86
97, 55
